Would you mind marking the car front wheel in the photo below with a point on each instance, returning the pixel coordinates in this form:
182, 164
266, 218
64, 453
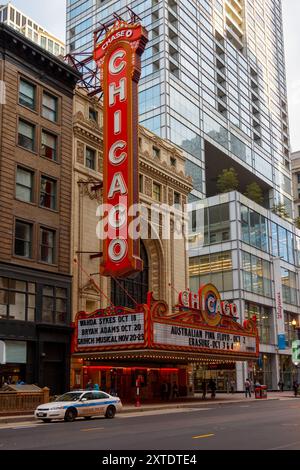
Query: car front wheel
70, 415
110, 412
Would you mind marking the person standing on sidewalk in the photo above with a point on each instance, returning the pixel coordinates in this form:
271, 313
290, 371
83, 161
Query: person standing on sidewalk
295, 387
204, 389
247, 388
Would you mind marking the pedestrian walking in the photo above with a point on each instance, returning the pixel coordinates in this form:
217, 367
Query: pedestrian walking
89, 385
163, 391
280, 385
247, 388
175, 390
204, 389
232, 386
212, 386
295, 387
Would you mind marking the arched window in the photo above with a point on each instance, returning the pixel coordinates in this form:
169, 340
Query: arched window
137, 286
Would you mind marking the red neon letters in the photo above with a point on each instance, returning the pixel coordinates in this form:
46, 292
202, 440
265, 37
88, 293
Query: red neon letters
118, 57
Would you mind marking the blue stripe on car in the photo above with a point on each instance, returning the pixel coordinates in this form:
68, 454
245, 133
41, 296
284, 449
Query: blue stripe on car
111, 402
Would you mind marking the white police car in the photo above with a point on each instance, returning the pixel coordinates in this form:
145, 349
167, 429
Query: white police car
80, 403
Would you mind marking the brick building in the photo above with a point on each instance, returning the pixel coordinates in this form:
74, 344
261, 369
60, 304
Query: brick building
35, 211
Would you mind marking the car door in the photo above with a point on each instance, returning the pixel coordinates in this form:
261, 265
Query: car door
85, 405
99, 402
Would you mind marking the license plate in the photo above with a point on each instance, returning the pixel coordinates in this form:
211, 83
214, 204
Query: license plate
42, 414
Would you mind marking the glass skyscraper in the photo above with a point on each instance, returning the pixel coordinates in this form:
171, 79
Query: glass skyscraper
213, 82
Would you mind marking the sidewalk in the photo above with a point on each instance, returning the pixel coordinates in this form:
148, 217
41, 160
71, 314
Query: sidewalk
221, 399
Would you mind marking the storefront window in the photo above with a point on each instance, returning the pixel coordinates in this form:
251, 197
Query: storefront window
215, 268
288, 372
17, 300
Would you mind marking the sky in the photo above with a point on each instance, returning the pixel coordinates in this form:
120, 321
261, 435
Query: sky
51, 15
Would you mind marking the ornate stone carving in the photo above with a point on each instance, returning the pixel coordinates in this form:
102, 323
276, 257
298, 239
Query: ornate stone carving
148, 186
80, 153
170, 197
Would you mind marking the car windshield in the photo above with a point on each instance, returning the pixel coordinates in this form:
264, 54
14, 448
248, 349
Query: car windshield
69, 397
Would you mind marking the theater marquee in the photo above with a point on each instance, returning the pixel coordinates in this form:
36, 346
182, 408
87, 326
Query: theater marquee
210, 327
119, 59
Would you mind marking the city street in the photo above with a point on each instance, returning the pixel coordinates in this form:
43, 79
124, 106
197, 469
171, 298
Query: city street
263, 425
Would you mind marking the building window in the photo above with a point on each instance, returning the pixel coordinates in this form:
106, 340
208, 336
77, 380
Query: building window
298, 178
216, 223
173, 162
141, 183
24, 185
156, 193
256, 275
54, 305
155, 152
26, 135
50, 107
263, 317
90, 158
254, 229
17, 300
49, 146
176, 198
43, 42
214, 268
27, 94
289, 286
48, 193
137, 286
290, 330
47, 246
50, 46
23, 239
93, 115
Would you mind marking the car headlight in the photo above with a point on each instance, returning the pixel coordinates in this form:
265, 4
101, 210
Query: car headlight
56, 408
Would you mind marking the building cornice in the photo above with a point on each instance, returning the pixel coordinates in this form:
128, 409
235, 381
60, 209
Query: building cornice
26, 53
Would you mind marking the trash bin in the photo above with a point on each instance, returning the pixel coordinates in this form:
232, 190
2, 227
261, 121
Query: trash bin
261, 392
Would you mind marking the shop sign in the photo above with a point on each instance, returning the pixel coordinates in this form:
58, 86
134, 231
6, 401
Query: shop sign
278, 305
209, 302
112, 330
119, 59
197, 339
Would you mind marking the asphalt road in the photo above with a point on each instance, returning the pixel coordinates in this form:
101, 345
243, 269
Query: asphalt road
264, 425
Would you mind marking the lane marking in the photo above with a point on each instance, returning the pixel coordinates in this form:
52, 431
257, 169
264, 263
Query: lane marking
286, 445
90, 429
202, 436
159, 412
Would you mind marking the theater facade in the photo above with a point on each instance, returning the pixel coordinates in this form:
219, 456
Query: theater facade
119, 347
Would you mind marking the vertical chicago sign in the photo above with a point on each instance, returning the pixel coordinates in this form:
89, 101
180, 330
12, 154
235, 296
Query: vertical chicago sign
119, 59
